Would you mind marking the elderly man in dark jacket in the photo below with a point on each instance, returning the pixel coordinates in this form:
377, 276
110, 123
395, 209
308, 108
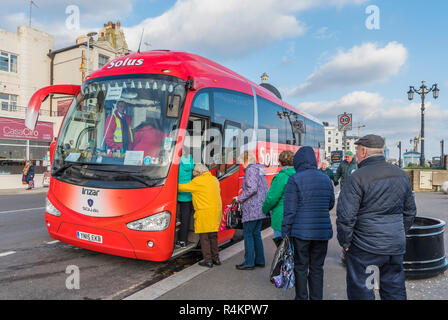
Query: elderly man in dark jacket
375, 209
309, 197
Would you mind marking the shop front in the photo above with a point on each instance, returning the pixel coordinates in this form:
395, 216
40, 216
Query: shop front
18, 144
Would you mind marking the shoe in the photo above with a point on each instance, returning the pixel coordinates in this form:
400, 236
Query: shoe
205, 264
260, 265
181, 244
217, 262
244, 267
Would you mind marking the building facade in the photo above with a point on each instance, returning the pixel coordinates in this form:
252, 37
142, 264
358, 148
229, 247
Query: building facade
24, 68
334, 141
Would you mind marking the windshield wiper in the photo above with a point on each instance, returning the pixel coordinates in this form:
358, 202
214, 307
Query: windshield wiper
128, 175
62, 169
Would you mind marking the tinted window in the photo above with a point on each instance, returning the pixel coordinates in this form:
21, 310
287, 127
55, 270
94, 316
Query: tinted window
202, 101
234, 106
271, 117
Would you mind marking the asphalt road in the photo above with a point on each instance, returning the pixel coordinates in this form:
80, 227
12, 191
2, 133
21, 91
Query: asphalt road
34, 266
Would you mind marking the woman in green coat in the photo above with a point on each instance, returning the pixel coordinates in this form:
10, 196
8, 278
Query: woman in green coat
274, 199
184, 199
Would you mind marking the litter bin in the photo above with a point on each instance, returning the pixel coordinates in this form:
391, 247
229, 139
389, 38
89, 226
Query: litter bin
425, 250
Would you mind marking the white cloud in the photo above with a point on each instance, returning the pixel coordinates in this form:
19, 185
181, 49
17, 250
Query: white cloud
360, 65
226, 28
395, 119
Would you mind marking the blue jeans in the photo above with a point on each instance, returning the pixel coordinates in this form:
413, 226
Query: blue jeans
391, 275
253, 244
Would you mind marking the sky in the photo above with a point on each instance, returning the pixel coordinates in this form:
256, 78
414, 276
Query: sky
326, 57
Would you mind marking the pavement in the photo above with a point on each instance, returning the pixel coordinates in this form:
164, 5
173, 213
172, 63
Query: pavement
23, 190
225, 282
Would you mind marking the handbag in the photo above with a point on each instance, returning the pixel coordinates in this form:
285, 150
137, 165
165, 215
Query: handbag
234, 219
282, 268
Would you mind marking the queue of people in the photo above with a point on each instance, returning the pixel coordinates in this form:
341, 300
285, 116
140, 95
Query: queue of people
375, 209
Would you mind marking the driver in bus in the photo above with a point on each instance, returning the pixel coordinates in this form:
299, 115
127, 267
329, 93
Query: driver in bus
118, 132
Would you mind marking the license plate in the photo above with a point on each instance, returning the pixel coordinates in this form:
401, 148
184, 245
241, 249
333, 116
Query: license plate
89, 237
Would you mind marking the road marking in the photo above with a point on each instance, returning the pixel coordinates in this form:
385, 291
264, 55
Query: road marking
29, 209
53, 242
4, 254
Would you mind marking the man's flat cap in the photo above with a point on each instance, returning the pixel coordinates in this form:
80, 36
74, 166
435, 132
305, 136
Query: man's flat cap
371, 141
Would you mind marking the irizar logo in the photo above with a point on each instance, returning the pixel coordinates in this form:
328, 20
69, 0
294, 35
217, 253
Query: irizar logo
90, 192
126, 62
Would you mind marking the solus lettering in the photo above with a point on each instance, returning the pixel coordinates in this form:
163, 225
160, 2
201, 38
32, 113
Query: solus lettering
90, 192
126, 62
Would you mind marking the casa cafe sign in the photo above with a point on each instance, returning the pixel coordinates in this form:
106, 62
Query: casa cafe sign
12, 128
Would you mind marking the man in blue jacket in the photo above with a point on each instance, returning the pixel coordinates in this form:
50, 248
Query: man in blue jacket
309, 197
375, 209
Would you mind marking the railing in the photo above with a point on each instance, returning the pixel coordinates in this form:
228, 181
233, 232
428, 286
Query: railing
42, 112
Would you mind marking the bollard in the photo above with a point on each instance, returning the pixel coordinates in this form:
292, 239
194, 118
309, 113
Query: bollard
425, 250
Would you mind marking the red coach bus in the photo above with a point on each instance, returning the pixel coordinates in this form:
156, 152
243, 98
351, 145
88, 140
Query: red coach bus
123, 202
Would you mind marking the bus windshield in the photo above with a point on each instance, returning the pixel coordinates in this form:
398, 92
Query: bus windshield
119, 132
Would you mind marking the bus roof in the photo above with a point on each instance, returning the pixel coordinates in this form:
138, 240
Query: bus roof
183, 65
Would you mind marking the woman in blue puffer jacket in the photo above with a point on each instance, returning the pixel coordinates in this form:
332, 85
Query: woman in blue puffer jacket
309, 197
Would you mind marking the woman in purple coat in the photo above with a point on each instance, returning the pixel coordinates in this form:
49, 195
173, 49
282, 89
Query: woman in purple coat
255, 188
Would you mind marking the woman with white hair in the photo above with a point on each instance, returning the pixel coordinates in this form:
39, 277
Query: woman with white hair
325, 169
206, 195
255, 188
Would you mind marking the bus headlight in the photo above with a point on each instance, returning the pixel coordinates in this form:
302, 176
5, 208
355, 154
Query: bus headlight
50, 208
156, 222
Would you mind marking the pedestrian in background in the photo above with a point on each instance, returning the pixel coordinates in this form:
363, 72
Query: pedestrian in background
375, 209
309, 197
345, 169
324, 168
28, 175
255, 188
276, 194
206, 196
184, 199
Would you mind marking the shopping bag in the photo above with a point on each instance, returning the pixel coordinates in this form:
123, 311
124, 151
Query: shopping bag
223, 225
234, 218
31, 184
282, 268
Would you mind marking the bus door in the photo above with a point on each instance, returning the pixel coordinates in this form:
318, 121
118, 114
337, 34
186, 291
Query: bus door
197, 129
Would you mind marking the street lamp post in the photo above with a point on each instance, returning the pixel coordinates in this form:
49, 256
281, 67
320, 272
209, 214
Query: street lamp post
89, 35
423, 91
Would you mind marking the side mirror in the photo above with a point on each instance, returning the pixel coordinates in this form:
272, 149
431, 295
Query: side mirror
173, 106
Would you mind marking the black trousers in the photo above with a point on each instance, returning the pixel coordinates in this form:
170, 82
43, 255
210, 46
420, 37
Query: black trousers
184, 212
361, 267
309, 257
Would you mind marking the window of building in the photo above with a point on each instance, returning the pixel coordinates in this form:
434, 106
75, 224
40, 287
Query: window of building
337, 141
329, 140
13, 155
8, 102
102, 60
8, 62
